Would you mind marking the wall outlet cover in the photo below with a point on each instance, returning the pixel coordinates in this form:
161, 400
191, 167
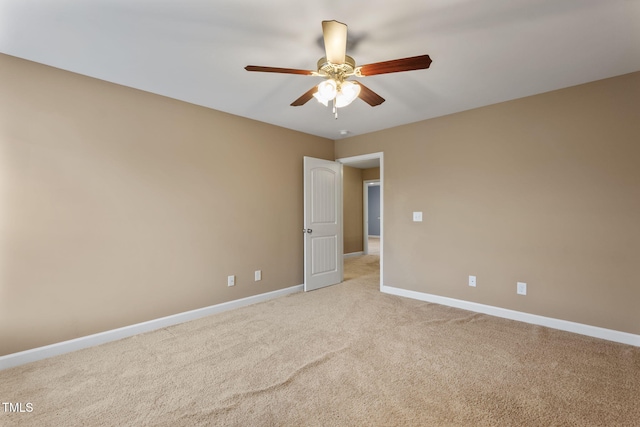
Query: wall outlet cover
522, 288
472, 281
417, 217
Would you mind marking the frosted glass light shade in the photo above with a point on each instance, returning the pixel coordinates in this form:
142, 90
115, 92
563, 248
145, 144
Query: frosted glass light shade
348, 92
327, 90
320, 99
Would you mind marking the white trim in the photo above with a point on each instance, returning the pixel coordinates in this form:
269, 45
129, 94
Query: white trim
352, 254
354, 159
378, 155
563, 325
27, 356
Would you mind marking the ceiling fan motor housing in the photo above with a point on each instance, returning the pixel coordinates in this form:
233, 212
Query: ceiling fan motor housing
338, 72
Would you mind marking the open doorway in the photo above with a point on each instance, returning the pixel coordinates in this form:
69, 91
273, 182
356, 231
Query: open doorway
369, 164
372, 216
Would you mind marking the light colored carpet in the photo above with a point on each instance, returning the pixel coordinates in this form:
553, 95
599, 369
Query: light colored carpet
373, 245
342, 356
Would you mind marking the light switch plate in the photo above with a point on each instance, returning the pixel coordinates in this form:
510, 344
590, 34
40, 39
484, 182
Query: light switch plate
417, 217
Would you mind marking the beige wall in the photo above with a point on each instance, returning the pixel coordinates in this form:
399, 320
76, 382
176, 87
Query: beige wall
370, 174
544, 190
118, 206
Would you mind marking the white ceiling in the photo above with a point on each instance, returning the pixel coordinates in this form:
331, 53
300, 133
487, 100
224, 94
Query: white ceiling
483, 52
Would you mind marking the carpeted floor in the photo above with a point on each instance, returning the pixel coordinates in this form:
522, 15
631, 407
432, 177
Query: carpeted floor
341, 356
373, 245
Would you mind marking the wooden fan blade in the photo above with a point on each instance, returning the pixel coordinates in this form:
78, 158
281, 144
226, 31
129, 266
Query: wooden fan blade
305, 97
335, 41
278, 70
396, 65
369, 96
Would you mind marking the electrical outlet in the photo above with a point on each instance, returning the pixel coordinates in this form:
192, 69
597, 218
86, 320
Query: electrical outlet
417, 217
472, 281
522, 288
258, 275
231, 281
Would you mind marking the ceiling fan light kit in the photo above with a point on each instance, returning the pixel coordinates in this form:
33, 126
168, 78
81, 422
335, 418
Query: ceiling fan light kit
336, 67
341, 94
348, 92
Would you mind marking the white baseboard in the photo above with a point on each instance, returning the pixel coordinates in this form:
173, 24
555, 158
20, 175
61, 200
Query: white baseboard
27, 356
563, 325
352, 254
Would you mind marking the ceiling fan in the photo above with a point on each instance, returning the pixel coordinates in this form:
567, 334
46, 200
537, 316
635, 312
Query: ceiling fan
336, 67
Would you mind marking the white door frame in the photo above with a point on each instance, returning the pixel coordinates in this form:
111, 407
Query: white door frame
372, 156
365, 212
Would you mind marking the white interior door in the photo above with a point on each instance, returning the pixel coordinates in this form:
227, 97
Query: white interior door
323, 251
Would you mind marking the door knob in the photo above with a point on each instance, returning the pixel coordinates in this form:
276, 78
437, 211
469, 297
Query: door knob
309, 230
